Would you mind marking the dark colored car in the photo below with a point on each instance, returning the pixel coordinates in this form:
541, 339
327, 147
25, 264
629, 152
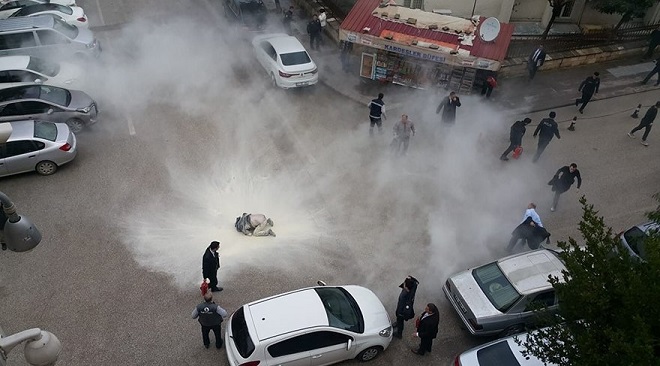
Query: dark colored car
634, 239
250, 13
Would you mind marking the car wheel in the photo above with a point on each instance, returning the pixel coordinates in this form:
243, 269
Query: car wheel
514, 329
368, 354
75, 125
45, 167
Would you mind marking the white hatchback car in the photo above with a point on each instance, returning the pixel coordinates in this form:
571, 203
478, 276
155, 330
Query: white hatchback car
504, 351
73, 15
8, 8
18, 70
285, 60
313, 326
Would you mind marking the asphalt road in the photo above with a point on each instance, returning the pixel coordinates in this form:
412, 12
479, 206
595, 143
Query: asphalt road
191, 136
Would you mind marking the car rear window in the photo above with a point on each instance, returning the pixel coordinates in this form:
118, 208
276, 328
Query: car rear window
496, 286
295, 58
342, 309
635, 238
241, 334
68, 30
497, 354
45, 130
55, 95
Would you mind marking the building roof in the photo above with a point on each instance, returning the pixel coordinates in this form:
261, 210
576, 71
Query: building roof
529, 271
361, 16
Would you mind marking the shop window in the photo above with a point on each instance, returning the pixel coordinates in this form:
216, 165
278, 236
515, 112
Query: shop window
414, 4
567, 10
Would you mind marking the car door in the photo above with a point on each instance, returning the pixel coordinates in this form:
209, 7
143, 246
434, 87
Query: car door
3, 156
293, 351
546, 298
53, 43
22, 155
330, 347
42, 110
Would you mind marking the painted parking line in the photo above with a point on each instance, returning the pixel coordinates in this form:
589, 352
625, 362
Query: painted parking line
131, 126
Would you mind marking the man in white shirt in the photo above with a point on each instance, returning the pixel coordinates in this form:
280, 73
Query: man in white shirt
323, 20
531, 212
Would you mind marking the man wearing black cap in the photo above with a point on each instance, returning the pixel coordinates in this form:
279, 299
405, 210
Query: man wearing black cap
588, 87
211, 264
210, 316
515, 136
546, 130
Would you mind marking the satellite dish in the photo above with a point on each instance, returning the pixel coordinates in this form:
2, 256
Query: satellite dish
489, 29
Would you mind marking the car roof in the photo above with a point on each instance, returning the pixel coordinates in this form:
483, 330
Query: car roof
14, 62
20, 130
284, 313
284, 43
528, 272
648, 226
39, 21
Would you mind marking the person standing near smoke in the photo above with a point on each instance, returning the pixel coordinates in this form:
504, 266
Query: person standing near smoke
402, 132
563, 180
427, 329
546, 129
376, 114
448, 107
588, 87
211, 264
516, 134
210, 316
404, 307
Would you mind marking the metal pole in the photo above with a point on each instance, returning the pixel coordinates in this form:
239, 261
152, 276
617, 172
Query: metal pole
473, 7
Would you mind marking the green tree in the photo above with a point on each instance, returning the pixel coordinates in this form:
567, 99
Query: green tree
627, 8
609, 311
557, 7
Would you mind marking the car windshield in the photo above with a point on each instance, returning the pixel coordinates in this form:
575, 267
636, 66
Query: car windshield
55, 95
45, 130
342, 309
43, 67
240, 334
496, 286
32, 9
635, 238
496, 355
68, 30
295, 58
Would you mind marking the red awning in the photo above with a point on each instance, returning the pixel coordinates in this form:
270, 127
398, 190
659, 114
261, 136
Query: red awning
361, 17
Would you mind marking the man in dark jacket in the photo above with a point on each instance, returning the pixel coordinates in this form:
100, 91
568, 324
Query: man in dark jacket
314, 31
546, 130
656, 70
427, 329
655, 41
535, 60
210, 316
286, 21
448, 107
588, 87
529, 232
563, 180
404, 307
376, 114
515, 136
211, 264
646, 123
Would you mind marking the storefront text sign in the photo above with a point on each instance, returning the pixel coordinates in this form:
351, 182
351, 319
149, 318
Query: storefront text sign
413, 53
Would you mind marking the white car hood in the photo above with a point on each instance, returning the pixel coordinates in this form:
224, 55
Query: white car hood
373, 311
472, 296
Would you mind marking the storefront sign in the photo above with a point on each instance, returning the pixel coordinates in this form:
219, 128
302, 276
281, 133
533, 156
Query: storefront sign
413, 53
352, 37
366, 41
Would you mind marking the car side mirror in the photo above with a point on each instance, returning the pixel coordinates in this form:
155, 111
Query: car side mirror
38, 81
349, 344
50, 111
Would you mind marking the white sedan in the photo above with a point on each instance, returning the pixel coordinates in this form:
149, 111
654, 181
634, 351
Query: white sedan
285, 60
8, 8
73, 15
18, 70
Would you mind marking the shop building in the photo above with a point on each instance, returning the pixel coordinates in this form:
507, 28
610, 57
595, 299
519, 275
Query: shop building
423, 49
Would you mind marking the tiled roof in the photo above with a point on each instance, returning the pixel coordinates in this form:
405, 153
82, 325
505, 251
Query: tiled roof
361, 16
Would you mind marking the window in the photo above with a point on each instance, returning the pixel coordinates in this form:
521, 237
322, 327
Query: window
38, 8
12, 109
15, 148
17, 40
17, 76
414, 4
63, 27
241, 335
496, 286
307, 342
567, 10
545, 299
635, 239
342, 310
34, 107
270, 51
45, 130
50, 37
497, 354
295, 58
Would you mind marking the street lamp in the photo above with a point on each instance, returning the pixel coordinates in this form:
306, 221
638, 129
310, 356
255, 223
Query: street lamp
41, 348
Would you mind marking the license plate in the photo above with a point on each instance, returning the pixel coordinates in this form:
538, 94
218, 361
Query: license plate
460, 304
302, 84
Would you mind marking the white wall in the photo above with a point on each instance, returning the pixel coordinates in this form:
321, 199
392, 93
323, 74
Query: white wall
528, 10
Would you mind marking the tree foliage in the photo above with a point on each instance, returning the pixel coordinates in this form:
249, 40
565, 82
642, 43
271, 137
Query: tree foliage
609, 302
628, 9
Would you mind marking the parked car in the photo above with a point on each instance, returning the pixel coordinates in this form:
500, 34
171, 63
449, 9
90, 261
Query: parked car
285, 60
499, 297
10, 7
50, 103
251, 14
633, 239
47, 36
22, 70
504, 351
73, 15
30, 145
313, 326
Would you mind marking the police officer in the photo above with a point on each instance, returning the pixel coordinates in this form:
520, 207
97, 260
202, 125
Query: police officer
376, 114
210, 316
